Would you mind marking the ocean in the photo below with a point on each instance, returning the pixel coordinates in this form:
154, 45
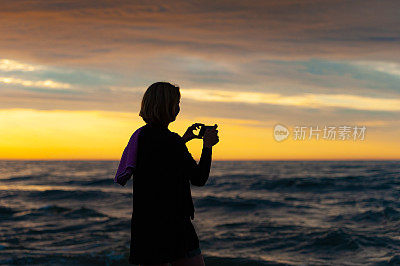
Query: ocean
249, 213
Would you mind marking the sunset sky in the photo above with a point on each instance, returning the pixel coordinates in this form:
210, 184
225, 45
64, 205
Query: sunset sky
73, 73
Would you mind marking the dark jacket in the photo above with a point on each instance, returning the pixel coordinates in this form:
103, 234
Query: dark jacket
162, 197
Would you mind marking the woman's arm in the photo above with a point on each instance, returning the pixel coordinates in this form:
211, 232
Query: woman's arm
198, 173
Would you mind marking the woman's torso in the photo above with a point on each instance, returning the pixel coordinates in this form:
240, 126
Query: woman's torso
160, 189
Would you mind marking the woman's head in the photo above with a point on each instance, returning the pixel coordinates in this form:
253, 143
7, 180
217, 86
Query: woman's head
160, 103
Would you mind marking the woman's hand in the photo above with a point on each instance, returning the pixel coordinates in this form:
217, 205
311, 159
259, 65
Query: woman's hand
210, 137
189, 135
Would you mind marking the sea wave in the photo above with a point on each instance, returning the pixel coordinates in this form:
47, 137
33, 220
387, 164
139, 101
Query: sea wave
235, 203
370, 216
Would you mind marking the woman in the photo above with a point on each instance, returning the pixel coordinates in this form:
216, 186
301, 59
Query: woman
161, 228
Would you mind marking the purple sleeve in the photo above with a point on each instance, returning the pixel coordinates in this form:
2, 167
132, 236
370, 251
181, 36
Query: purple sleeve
128, 160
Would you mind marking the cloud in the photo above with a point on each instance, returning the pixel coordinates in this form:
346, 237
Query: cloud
126, 33
48, 84
304, 100
390, 68
11, 65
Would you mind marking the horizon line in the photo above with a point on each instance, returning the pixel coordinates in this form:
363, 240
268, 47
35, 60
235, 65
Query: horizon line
236, 160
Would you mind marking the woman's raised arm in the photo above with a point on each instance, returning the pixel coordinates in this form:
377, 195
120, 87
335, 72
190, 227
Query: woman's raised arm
198, 173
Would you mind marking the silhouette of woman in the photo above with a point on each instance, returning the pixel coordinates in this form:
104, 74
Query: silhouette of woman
161, 227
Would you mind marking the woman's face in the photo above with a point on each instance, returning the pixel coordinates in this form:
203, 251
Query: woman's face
178, 108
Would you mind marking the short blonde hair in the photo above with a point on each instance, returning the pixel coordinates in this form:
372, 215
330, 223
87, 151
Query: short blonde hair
159, 103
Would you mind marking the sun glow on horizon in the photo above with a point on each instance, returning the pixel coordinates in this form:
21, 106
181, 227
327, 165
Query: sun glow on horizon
99, 135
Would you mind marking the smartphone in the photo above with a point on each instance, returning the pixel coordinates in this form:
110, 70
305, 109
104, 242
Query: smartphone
203, 130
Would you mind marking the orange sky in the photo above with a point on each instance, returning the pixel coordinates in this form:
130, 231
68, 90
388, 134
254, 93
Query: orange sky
72, 75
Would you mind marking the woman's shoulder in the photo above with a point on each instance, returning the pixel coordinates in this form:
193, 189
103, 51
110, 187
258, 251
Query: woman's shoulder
155, 134
163, 134
176, 137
